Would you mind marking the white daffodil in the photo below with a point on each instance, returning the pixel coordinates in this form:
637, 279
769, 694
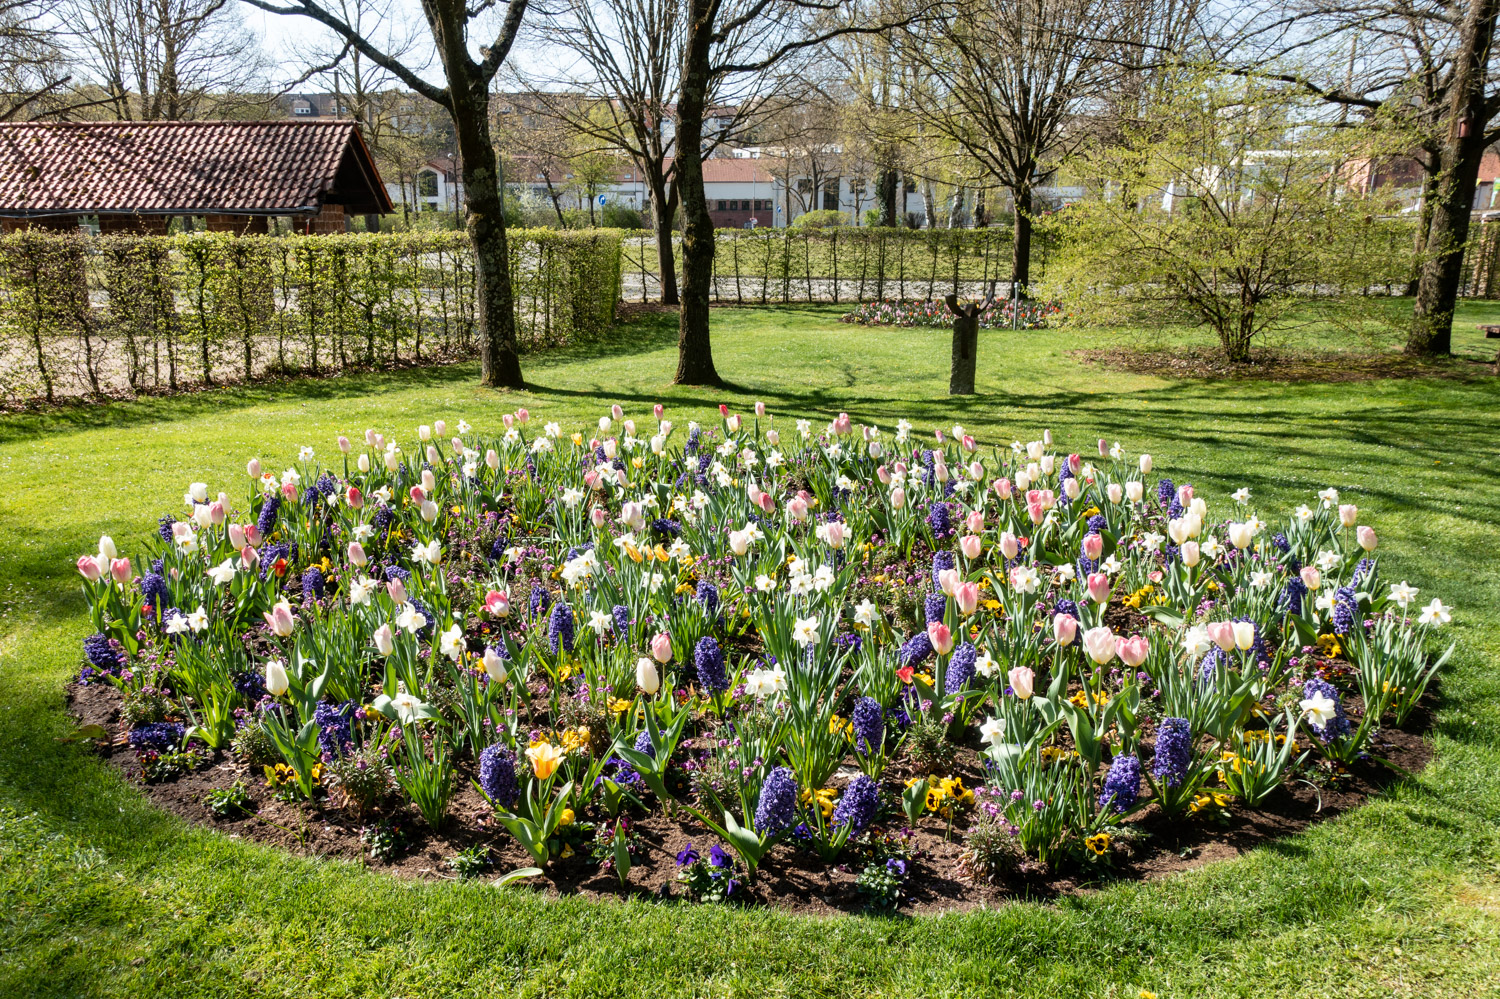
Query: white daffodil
452, 643
805, 631
1435, 613
1260, 579
1241, 495
222, 573
992, 731
865, 613
764, 583
1403, 594
198, 619
360, 590
1319, 709
431, 552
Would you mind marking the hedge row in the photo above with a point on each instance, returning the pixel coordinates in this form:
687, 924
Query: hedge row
119, 315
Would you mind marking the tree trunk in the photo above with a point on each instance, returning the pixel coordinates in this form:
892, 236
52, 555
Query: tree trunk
695, 359
372, 223
928, 212
499, 361
965, 355
664, 212
887, 187
1020, 261
1459, 159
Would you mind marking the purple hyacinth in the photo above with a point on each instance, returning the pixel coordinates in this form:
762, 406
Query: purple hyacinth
856, 809
103, 654
941, 562
267, 520
497, 775
1338, 726
1345, 610
1166, 492
1069, 608
960, 668
312, 584
708, 660
1122, 785
164, 528
162, 737
643, 744
334, 737
934, 607
1363, 570
777, 808
154, 590
560, 627
1174, 751
868, 722
621, 614
1097, 524
939, 519
708, 595
915, 649
1291, 597
540, 599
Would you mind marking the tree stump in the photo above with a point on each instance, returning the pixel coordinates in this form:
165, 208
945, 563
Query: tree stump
965, 342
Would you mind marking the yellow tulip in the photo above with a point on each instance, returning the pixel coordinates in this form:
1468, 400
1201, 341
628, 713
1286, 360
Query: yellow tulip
544, 759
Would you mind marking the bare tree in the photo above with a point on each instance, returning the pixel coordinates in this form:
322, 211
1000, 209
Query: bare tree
161, 60
34, 70
1008, 83
469, 67
1420, 65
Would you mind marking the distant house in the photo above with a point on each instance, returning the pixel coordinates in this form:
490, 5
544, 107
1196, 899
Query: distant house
1402, 176
236, 175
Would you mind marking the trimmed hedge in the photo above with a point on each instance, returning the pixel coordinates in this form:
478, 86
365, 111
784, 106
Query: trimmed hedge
119, 315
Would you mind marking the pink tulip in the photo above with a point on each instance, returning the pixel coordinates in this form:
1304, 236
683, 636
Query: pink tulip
1366, 538
439, 427
1036, 512
969, 544
121, 570
344, 444
181, 529
497, 604
661, 647
898, 497
216, 513
657, 410
1185, 495
509, 420
760, 409
1132, 651
280, 619
522, 416
836, 534
397, 591
1003, 488
88, 567
289, 490
252, 534
417, 494
969, 444
617, 412
1064, 628
379, 441
1098, 587
596, 516
843, 425
236, 536
354, 497
941, 637
939, 435
356, 553
1311, 577
369, 437
967, 597
767, 502
1022, 681
1047, 437
949, 581
252, 468
723, 410
1009, 546
492, 458
796, 509
1099, 643
900, 468
884, 475
1093, 545
1103, 447
1221, 633
1075, 464
249, 558
975, 521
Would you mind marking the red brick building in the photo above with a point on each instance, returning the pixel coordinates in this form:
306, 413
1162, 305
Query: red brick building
235, 175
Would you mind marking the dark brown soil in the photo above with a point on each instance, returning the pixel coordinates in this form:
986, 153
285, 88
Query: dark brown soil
788, 879
1291, 366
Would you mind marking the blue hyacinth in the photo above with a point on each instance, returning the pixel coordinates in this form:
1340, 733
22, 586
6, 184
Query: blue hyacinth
916, 648
856, 809
939, 519
154, 590
621, 614
708, 661
266, 522
960, 668
560, 628
540, 599
643, 744
941, 562
334, 736
868, 722
1122, 785
312, 584
497, 775
1174, 751
708, 595
777, 808
934, 607
162, 737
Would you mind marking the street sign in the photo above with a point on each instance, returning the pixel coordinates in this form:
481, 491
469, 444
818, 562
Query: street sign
602, 199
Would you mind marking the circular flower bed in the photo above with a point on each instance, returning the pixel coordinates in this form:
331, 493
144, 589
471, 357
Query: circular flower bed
720, 662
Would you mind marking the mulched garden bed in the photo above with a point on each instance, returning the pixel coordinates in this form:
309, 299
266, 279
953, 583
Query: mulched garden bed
1290, 366
788, 880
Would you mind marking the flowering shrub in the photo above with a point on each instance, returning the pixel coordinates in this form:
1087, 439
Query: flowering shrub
1000, 316
590, 627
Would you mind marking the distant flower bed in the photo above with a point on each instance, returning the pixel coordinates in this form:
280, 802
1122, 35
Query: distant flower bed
750, 646
1034, 315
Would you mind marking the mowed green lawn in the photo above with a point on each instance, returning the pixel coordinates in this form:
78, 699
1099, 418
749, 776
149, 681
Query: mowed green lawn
103, 895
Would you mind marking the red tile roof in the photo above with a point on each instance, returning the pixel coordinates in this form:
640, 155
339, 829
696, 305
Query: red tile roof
186, 168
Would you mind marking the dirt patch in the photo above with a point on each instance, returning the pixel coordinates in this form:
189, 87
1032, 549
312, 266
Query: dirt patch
1289, 366
789, 879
